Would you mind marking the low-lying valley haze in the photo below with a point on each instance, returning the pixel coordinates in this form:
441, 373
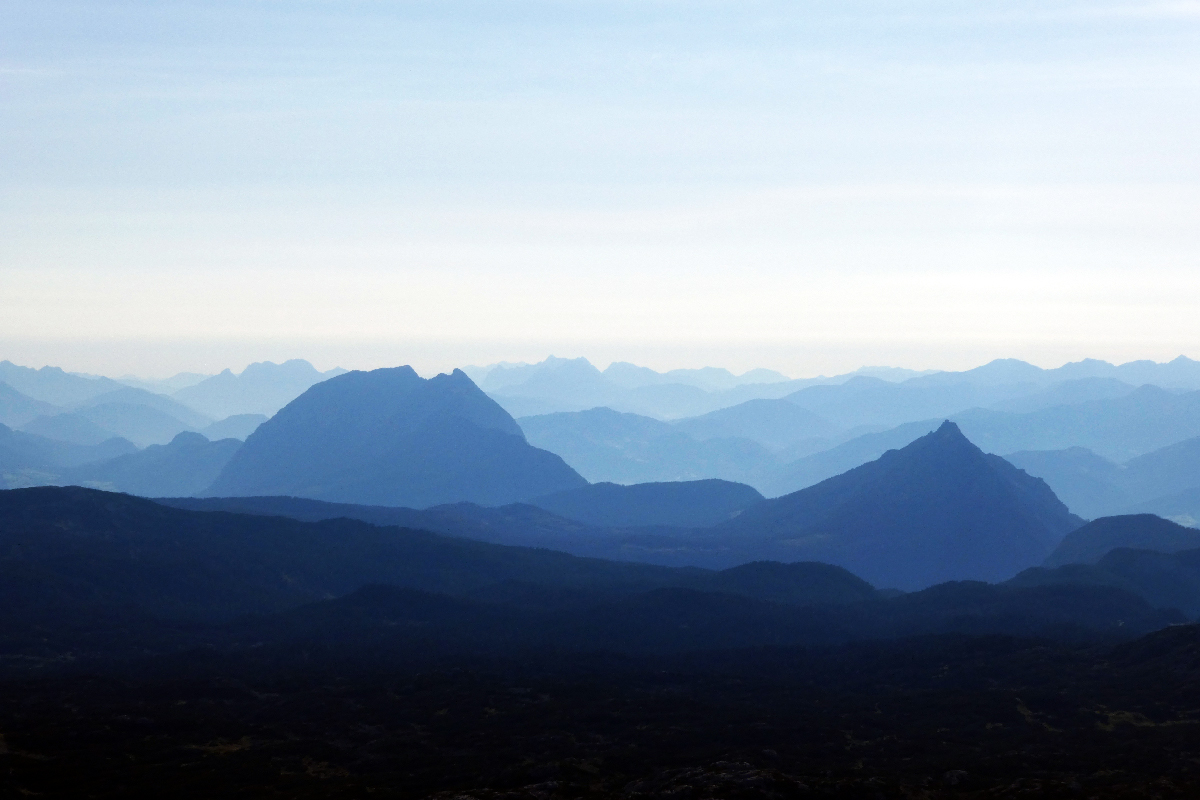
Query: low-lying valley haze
596, 399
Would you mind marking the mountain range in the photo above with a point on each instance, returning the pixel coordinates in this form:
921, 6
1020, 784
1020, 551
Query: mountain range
1098, 487
1109, 429
767, 445
560, 384
391, 587
109, 574
939, 509
261, 388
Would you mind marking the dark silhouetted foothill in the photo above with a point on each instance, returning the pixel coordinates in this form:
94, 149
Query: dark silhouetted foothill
1093, 541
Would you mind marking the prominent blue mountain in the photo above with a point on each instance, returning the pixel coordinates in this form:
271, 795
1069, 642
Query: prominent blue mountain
939, 509
390, 437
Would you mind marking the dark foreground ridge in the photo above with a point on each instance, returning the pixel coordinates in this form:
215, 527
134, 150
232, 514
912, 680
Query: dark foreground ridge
942, 717
151, 651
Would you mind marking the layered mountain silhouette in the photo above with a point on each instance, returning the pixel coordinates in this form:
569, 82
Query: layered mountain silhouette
1095, 486
1067, 393
27, 459
1090, 543
69, 427
70, 546
17, 409
261, 388
775, 424
1163, 579
53, 385
574, 384
185, 466
239, 426
607, 445
939, 509
94, 572
390, 437
92, 410
1117, 428
683, 504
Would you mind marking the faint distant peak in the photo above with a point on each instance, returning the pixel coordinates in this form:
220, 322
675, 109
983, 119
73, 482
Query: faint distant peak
892, 374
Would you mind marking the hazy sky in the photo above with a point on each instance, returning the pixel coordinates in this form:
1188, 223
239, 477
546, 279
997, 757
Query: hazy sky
808, 186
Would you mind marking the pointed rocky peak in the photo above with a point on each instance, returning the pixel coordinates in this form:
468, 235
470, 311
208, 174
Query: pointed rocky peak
949, 430
947, 440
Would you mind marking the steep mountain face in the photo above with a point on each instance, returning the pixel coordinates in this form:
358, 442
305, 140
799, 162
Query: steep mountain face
683, 504
389, 437
811, 469
1089, 544
261, 388
940, 509
185, 466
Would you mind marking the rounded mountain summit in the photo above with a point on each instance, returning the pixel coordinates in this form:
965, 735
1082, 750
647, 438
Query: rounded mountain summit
390, 437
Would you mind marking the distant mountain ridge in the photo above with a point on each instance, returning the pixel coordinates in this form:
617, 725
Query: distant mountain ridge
261, 388
27, 459
564, 384
17, 409
53, 385
607, 445
390, 437
1097, 487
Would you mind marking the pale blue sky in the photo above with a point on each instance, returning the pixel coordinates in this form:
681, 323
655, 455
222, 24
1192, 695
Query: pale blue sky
803, 186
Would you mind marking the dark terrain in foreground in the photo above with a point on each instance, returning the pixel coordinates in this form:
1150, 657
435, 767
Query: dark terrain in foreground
148, 651
948, 716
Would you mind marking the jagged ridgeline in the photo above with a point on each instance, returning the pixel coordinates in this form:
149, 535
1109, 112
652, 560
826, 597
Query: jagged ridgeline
390, 437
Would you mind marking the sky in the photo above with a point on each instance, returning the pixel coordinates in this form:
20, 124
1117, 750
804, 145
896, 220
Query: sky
804, 186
